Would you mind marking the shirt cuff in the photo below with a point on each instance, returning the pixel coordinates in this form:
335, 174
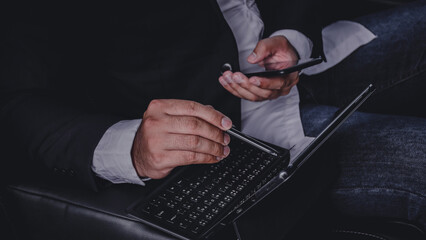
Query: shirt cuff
340, 39
298, 40
112, 157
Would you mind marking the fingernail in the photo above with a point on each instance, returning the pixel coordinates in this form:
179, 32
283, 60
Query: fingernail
252, 56
237, 79
226, 122
226, 139
255, 81
226, 151
219, 158
222, 81
228, 79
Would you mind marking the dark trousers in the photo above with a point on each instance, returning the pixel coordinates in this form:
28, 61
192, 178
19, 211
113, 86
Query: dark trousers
380, 151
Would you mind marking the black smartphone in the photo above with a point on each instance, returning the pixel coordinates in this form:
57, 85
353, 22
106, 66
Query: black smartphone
284, 68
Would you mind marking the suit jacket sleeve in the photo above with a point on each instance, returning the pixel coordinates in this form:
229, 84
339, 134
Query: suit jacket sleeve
302, 15
39, 122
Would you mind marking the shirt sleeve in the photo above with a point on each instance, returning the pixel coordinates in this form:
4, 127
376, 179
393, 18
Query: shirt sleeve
112, 157
298, 40
340, 39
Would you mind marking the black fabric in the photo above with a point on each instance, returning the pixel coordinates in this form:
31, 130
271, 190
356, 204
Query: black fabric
68, 72
305, 16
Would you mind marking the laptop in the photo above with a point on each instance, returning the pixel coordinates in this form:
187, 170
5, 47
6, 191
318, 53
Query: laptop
196, 201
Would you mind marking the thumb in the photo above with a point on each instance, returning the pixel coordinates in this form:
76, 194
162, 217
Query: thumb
260, 52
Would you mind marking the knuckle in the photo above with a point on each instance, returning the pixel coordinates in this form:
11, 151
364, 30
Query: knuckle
163, 173
218, 150
154, 104
265, 94
281, 83
193, 124
193, 142
191, 107
285, 91
211, 159
156, 160
191, 157
262, 44
218, 135
149, 122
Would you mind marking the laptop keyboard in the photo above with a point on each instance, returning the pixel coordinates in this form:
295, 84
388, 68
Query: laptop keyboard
204, 194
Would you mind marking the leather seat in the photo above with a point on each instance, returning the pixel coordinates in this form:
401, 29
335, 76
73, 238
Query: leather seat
48, 208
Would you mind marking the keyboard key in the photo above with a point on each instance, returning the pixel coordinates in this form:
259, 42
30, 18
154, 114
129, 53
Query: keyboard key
183, 225
171, 204
181, 211
233, 193
187, 206
216, 195
180, 183
201, 208
187, 191
223, 189
222, 204
172, 219
194, 215
209, 216
172, 189
209, 201
230, 183
156, 202
195, 229
179, 197
160, 214
195, 199
149, 208
215, 210
227, 198
203, 192
202, 223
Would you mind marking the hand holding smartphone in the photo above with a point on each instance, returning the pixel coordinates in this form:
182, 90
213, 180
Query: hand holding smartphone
270, 83
292, 67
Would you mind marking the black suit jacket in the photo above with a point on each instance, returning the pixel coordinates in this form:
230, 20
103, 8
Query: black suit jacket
71, 73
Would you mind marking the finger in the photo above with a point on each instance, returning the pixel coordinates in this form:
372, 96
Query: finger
285, 91
259, 92
244, 93
274, 83
226, 85
195, 143
190, 108
260, 52
195, 126
181, 158
234, 84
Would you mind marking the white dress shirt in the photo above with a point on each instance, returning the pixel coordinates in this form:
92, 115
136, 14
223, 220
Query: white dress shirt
276, 121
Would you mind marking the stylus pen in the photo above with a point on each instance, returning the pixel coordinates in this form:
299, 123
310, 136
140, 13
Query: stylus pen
234, 132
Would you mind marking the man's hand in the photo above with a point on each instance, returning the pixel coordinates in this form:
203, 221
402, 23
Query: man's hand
270, 50
179, 132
